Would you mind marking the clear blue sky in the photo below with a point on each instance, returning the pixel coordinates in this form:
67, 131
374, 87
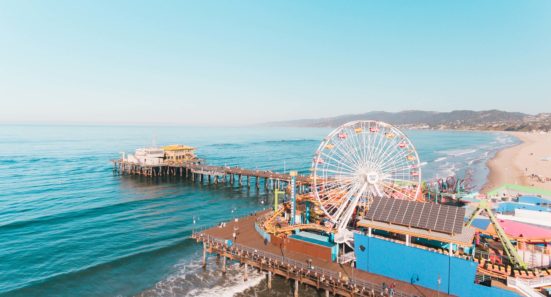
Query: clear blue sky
239, 62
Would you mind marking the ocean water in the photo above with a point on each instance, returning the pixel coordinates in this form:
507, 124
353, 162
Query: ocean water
70, 227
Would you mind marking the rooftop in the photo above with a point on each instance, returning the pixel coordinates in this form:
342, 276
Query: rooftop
521, 231
178, 147
464, 238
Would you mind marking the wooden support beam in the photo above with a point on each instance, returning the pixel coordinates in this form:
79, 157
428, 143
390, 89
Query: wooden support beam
204, 254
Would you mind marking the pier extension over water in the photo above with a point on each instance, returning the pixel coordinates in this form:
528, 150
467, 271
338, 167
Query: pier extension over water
241, 241
212, 174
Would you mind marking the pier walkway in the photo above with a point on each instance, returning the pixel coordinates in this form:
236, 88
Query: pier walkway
211, 174
250, 249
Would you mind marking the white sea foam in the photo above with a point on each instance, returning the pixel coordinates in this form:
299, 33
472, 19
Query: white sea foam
440, 159
190, 279
234, 285
459, 152
445, 170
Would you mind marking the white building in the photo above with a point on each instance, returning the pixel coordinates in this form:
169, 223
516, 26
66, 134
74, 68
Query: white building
146, 156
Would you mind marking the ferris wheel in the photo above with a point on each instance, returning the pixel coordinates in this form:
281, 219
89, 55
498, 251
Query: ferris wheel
361, 160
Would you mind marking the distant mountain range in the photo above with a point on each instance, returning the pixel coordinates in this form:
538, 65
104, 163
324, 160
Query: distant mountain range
457, 119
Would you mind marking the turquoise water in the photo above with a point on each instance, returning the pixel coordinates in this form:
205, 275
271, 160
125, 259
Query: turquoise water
71, 228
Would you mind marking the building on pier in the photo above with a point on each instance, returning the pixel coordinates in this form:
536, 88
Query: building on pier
167, 155
146, 156
178, 153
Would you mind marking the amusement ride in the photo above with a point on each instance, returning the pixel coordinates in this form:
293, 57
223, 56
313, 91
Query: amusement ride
355, 163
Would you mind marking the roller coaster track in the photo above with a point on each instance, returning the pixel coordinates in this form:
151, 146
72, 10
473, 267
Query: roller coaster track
302, 227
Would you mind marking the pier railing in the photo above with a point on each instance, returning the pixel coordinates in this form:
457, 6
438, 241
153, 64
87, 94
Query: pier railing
335, 279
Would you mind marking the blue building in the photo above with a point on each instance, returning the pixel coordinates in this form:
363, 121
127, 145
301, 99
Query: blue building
432, 248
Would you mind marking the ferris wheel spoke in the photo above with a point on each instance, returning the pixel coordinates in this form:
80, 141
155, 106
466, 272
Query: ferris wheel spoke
345, 201
337, 144
400, 169
333, 167
357, 143
405, 153
379, 151
351, 208
335, 186
393, 145
393, 157
372, 141
332, 188
337, 154
343, 147
393, 160
335, 161
388, 152
404, 169
346, 149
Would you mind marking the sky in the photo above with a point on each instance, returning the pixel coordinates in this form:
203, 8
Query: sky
243, 62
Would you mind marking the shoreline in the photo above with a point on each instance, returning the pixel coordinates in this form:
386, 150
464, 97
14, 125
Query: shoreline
522, 164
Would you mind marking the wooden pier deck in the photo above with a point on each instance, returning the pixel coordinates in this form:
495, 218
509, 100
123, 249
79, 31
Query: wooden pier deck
250, 249
212, 174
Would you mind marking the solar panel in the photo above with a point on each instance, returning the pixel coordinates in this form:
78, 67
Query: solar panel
429, 216
434, 223
396, 216
424, 218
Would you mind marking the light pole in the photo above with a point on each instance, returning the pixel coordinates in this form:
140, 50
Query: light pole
293, 175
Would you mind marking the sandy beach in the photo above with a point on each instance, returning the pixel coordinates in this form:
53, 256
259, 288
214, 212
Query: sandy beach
528, 163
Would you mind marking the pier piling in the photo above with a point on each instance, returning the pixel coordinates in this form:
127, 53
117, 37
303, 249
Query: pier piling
203, 174
204, 254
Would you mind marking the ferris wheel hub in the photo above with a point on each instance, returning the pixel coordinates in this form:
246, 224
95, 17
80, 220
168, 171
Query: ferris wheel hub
372, 177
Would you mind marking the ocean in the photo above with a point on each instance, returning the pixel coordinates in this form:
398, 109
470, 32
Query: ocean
70, 227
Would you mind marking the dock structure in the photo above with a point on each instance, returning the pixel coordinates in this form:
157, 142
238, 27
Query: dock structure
240, 241
201, 173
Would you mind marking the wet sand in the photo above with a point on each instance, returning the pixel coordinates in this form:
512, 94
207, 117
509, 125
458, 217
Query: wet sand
518, 164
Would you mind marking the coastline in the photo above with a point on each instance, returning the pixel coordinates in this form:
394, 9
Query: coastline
517, 164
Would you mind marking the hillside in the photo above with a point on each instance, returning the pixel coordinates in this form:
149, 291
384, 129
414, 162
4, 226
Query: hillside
457, 119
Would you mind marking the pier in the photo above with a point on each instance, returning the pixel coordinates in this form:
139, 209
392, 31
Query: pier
209, 174
240, 241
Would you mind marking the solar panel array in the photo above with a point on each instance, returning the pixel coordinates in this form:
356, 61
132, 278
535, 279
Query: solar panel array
429, 216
